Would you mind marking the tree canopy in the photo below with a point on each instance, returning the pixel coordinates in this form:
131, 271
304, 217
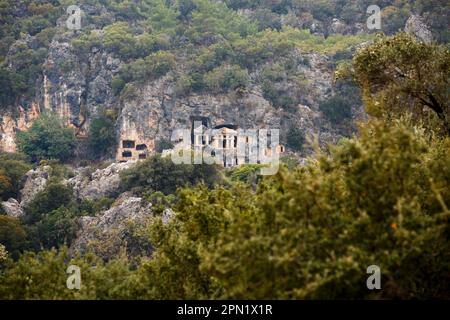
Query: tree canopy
400, 74
48, 138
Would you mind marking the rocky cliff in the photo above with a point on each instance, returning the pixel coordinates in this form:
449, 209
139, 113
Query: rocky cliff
77, 84
154, 109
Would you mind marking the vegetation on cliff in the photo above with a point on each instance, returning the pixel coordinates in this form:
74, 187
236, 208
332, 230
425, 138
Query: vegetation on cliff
380, 197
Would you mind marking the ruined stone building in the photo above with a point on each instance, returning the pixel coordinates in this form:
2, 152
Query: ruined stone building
130, 150
224, 140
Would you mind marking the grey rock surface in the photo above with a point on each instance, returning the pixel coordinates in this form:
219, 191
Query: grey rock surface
12, 208
416, 27
110, 232
35, 181
100, 183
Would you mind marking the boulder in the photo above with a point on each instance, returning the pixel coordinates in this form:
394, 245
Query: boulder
416, 27
12, 208
35, 181
113, 230
338, 26
101, 183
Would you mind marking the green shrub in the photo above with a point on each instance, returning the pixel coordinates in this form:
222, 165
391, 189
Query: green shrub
119, 39
12, 235
336, 109
12, 167
48, 138
295, 138
247, 173
340, 213
54, 196
163, 144
161, 174
102, 134
55, 228
226, 78
160, 63
117, 84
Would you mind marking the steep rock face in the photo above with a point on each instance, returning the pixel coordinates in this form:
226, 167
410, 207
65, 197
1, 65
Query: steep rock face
112, 230
74, 85
12, 208
35, 181
153, 111
77, 85
101, 183
417, 27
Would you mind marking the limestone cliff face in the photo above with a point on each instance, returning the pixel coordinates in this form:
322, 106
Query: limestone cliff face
78, 87
154, 110
74, 86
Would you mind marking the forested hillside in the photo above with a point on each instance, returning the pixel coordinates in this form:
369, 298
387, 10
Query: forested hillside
364, 118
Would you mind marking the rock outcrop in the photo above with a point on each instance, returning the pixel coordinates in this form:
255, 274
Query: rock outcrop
112, 231
154, 110
100, 183
416, 27
12, 208
35, 181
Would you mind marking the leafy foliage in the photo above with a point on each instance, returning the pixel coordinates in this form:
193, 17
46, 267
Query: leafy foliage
336, 109
12, 235
48, 138
399, 74
313, 233
296, 138
54, 196
12, 167
101, 135
161, 174
379, 198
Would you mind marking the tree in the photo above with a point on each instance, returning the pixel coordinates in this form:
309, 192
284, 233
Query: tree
43, 276
119, 40
336, 109
399, 74
313, 232
48, 138
54, 196
12, 235
296, 138
12, 167
161, 174
101, 134
56, 228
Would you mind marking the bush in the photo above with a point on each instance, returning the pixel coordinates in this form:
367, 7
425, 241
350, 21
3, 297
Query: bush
117, 85
161, 174
56, 228
248, 173
48, 138
336, 109
54, 196
12, 168
160, 63
43, 276
163, 144
226, 78
119, 40
102, 134
295, 139
12, 235
342, 212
